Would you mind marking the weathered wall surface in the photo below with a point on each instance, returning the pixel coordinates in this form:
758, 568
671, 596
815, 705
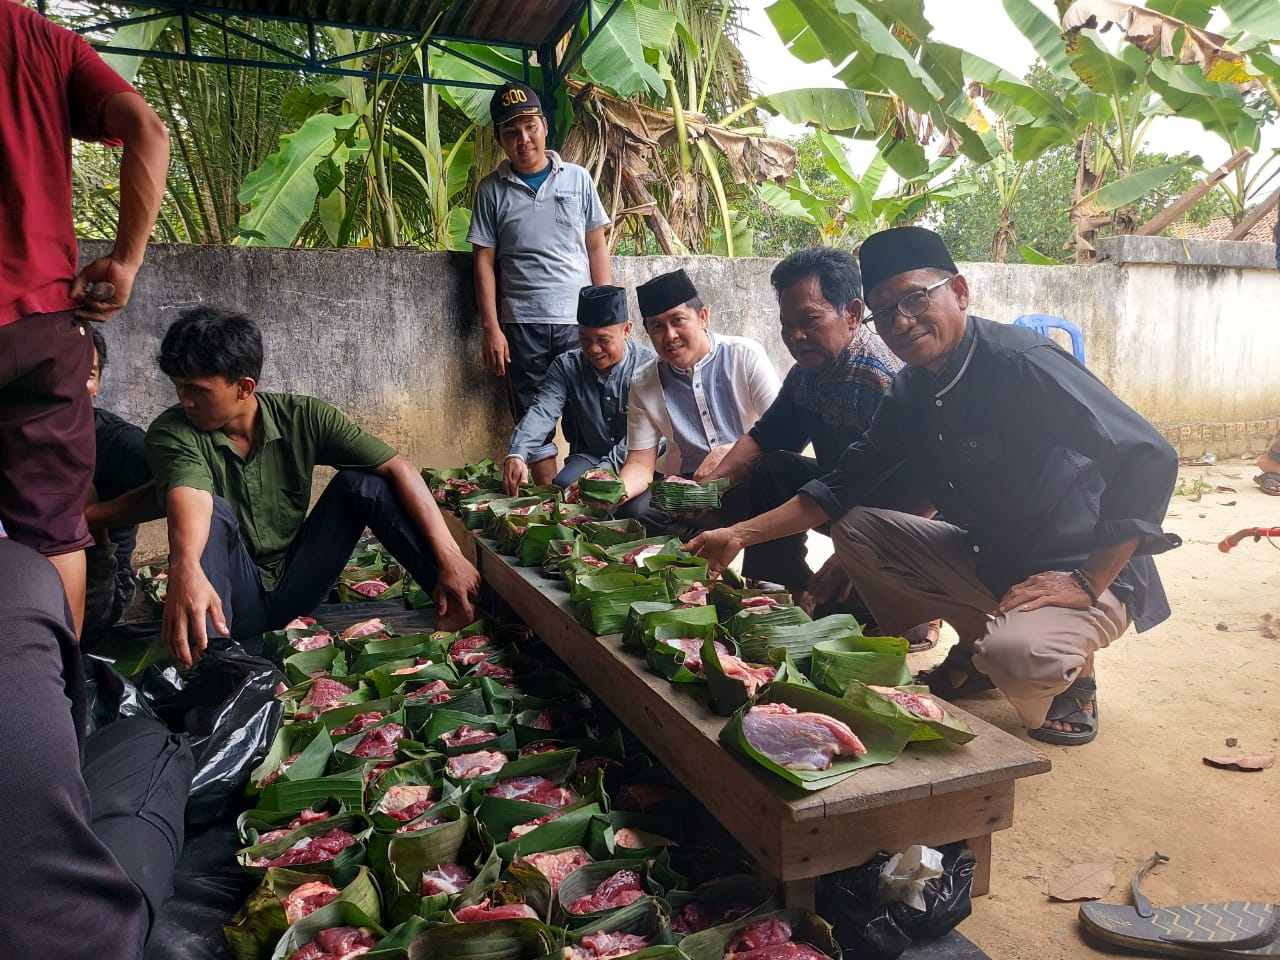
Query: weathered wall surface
391, 336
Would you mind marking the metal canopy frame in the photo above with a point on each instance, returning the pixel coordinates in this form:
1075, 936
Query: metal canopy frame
554, 68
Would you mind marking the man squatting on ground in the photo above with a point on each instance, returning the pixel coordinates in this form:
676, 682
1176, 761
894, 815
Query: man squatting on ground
1053, 492
234, 467
589, 387
538, 233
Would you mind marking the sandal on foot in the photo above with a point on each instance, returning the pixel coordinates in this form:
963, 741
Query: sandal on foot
924, 637
1269, 483
959, 660
1213, 931
1069, 707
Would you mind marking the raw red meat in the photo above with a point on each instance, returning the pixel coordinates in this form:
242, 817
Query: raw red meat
482, 912
539, 746
300, 623
301, 820
307, 899
544, 720
598, 473
919, 704
380, 741
556, 866
618, 890
337, 943
468, 651
279, 771
361, 721
447, 878
422, 823
759, 604
753, 675
691, 647
762, 933
377, 771
324, 695
311, 850
370, 588
695, 596
631, 839
782, 951
594, 562
699, 915
533, 790
365, 628
495, 670
314, 642
606, 946
437, 691
405, 801
634, 557
467, 736
800, 741
418, 664
520, 829
468, 766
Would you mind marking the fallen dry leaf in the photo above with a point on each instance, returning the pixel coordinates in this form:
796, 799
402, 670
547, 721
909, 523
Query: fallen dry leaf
1250, 764
1227, 490
1227, 503
1232, 742
1084, 881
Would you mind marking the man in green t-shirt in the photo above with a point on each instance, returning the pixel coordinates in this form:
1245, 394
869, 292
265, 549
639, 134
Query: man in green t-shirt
234, 467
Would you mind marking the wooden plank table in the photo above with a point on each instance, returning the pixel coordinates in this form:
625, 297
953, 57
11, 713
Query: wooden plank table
932, 794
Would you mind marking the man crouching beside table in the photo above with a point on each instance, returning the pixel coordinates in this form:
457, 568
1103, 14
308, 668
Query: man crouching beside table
1053, 492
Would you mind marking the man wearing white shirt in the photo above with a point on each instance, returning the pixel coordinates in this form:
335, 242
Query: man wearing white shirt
701, 393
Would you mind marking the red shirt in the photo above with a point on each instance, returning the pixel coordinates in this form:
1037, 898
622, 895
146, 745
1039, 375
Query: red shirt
53, 86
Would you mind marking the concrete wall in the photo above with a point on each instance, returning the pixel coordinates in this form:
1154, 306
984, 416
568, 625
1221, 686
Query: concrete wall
391, 337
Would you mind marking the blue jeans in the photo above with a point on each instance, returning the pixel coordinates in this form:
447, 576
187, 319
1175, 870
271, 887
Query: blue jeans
322, 547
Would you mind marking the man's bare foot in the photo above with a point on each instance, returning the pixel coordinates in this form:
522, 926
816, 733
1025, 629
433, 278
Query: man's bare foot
1065, 727
1073, 716
924, 636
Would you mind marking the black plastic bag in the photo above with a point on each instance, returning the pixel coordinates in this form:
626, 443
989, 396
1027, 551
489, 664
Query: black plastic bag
227, 705
110, 696
868, 929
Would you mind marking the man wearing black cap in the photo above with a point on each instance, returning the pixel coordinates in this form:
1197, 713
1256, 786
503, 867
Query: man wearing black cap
591, 383
538, 233
1052, 488
701, 393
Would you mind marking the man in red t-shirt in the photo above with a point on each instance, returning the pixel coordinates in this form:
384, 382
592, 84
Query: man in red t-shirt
54, 87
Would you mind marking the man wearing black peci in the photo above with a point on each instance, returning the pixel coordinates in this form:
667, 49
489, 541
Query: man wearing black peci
1053, 490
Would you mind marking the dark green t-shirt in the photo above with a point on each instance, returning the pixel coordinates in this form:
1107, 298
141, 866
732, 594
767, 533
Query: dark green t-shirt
271, 490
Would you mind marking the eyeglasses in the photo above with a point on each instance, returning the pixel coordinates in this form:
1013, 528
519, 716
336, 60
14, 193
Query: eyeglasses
910, 306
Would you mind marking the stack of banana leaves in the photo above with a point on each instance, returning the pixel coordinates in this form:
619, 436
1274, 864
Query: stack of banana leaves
456, 795
780, 676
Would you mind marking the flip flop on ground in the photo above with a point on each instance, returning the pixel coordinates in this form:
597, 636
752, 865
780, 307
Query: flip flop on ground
1269, 482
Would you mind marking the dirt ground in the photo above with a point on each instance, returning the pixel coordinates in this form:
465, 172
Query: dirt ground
1167, 698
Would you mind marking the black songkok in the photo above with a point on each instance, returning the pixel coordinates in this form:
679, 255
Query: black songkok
602, 306
888, 253
665, 292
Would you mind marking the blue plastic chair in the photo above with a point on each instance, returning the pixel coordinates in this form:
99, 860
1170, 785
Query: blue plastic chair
1042, 323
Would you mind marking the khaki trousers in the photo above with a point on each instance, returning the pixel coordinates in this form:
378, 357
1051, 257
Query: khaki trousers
909, 570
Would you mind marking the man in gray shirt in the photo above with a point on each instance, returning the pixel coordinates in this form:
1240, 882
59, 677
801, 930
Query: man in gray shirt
538, 233
591, 384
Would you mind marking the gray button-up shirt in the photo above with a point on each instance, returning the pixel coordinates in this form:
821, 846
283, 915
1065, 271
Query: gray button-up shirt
596, 402
540, 239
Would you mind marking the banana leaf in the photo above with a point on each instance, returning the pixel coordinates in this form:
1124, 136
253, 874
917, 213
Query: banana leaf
475, 510
637, 616
839, 661
534, 886
799, 639
681, 617
468, 699
746, 619
261, 921
342, 867
669, 661
606, 613
494, 940
348, 594
510, 529
556, 766
489, 511
416, 597
346, 788
409, 855
388, 680
154, 580
609, 489
583, 588
574, 548
399, 940
608, 533
377, 652
570, 514
584, 881
310, 742
575, 570
666, 546
414, 773
332, 719
728, 598
950, 728
340, 913
883, 740
532, 550
407, 746
252, 824
602, 839
500, 816
737, 896
446, 721
647, 917
301, 667
499, 509
676, 496
729, 693
438, 841
276, 644
294, 696
710, 944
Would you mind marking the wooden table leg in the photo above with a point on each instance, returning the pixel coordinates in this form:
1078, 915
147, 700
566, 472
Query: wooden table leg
981, 847
800, 894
